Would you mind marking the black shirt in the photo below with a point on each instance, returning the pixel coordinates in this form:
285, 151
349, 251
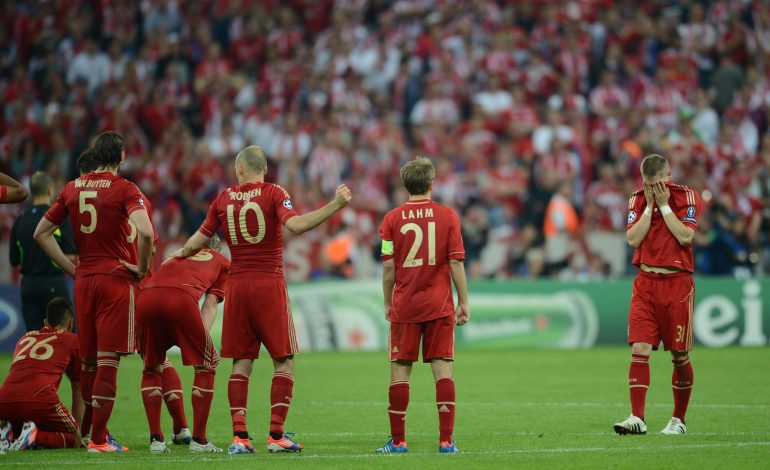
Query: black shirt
25, 251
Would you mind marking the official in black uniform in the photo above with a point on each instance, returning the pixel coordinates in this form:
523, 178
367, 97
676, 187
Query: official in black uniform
41, 279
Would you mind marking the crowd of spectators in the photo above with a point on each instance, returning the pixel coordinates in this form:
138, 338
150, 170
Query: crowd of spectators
535, 112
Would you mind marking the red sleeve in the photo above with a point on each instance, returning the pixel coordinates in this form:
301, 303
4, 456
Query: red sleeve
211, 224
3, 193
689, 207
283, 206
455, 241
58, 211
636, 205
220, 285
133, 199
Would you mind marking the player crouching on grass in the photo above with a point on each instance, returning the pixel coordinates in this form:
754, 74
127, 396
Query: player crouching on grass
662, 220
29, 393
168, 315
422, 248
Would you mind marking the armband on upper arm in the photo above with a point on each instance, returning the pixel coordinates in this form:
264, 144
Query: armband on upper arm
387, 247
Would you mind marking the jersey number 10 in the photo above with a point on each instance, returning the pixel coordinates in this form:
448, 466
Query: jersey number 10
411, 260
249, 206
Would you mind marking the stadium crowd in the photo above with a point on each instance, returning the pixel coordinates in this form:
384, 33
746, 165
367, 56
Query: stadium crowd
536, 113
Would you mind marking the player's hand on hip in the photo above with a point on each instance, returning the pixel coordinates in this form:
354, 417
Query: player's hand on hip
343, 195
134, 269
462, 314
661, 193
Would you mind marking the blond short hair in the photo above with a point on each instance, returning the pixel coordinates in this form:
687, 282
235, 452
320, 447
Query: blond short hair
252, 159
417, 176
654, 165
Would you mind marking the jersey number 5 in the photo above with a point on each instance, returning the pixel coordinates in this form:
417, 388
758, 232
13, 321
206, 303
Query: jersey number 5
86, 207
41, 351
249, 206
410, 261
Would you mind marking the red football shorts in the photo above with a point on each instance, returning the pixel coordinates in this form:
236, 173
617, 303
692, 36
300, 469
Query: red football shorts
257, 312
104, 306
661, 309
438, 340
47, 412
166, 317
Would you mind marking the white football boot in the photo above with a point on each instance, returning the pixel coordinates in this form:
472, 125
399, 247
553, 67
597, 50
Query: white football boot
674, 426
631, 425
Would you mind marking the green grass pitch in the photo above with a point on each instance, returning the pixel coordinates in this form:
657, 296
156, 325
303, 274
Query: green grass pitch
516, 409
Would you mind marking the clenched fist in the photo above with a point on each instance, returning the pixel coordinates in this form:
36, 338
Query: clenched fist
343, 195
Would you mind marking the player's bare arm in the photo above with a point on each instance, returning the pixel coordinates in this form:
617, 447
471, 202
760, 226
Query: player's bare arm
679, 230
209, 310
78, 407
192, 246
145, 235
302, 223
15, 191
463, 310
44, 235
388, 281
638, 231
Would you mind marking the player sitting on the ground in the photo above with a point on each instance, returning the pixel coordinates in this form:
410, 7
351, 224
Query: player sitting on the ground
168, 315
29, 393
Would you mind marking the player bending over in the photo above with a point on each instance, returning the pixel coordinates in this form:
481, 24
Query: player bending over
98, 204
29, 393
168, 315
422, 248
257, 307
662, 219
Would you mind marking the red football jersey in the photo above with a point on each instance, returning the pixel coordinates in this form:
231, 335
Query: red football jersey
421, 237
39, 360
99, 205
251, 217
133, 238
207, 272
660, 247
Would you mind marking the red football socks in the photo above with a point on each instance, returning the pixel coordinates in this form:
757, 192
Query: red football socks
638, 383
237, 393
56, 440
172, 395
280, 400
202, 394
681, 383
152, 396
87, 378
398, 395
445, 401
103, 395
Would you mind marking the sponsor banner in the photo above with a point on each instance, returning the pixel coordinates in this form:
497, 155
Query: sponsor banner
348, 315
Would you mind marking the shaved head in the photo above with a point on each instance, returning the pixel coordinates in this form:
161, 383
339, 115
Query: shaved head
252, 159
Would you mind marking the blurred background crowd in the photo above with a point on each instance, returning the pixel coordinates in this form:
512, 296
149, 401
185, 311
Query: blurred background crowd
536, 114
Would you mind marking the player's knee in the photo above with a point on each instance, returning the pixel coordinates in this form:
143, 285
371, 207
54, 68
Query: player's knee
284, 364
679, 356
242, 366
641, 348
206, 370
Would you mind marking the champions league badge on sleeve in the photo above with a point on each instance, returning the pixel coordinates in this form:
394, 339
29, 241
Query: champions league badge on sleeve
287, 204
631, 217
690, 215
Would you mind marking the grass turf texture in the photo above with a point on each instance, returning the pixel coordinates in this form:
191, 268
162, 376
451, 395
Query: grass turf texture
525, 409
